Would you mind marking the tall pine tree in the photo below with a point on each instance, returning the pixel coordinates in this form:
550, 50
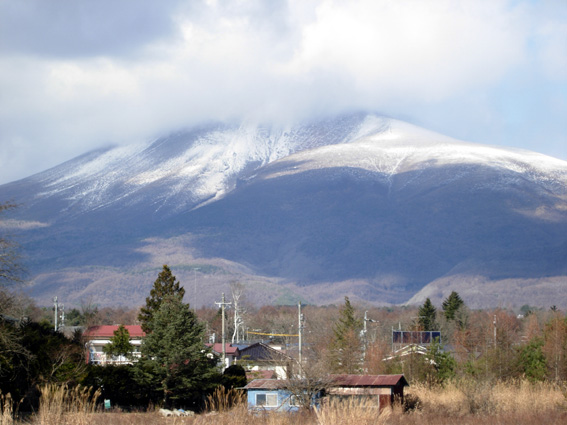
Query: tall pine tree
175, 360
427, 314
346, 350
165, 285
451, 304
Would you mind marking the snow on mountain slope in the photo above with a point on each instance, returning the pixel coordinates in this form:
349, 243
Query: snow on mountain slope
360, 198
194, 167
188, 168
401, 147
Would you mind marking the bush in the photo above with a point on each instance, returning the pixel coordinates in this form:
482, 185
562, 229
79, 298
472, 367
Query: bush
234, 377
118, 385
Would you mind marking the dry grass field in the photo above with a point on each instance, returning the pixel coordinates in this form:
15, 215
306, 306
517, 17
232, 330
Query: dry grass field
465, 403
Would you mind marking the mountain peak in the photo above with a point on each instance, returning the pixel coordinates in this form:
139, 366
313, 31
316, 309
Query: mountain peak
359, 205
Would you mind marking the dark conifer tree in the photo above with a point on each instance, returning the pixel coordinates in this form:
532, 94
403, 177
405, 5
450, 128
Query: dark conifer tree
165, 285
451, 304
175, 360
119, 344
346, 352
427, 314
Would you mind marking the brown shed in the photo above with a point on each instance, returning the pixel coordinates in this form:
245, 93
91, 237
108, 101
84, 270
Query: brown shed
384, 389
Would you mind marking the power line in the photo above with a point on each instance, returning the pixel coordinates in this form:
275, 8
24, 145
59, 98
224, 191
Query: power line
271, 334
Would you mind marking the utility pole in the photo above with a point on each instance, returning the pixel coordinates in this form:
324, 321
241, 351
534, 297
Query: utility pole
222, 305
56, 304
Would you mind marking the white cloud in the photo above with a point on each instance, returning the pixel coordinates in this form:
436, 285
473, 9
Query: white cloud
269, 60
426, 51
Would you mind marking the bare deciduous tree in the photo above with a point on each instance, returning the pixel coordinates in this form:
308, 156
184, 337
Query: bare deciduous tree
237, 290
10, 304
304, 390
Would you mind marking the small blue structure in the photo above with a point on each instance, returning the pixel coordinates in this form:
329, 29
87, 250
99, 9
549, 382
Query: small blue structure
270, 394
378, 391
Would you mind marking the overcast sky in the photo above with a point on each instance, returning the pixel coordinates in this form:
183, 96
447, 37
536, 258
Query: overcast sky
76, 75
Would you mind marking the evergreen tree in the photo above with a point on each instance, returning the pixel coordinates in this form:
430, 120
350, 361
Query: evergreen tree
442, 363
165, 285
119, 344
427, 314
346, 353
174, 359
234, 376
41, 356
532, 361
451, 304
118, 384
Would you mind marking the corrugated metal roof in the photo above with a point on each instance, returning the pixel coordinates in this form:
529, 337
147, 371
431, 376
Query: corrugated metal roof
105, 331
368, 380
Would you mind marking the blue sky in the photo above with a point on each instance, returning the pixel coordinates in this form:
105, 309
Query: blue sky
76, 75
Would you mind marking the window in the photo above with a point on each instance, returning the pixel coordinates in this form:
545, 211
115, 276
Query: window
268, 400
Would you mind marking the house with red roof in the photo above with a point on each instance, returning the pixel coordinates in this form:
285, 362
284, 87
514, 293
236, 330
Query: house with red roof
96, 337
232, 352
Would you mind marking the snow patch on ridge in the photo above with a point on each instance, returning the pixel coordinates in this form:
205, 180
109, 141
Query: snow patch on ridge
109, 160
188, 168
400, 147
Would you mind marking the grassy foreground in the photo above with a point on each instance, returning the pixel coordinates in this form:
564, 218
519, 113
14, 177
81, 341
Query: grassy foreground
465, 402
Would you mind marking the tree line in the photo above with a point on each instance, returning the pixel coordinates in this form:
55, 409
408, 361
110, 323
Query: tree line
177, 369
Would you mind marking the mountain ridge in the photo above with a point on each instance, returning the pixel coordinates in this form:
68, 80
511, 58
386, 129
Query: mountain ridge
360, 205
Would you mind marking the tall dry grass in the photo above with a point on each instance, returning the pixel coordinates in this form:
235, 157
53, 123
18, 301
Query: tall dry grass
352, 412
239, 415
469, 397
524, 396
60, 405
463, 402
466, 402
222, 399
6, 409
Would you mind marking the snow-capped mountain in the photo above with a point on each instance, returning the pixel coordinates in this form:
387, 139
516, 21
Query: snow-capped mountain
190, 167
358, 205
